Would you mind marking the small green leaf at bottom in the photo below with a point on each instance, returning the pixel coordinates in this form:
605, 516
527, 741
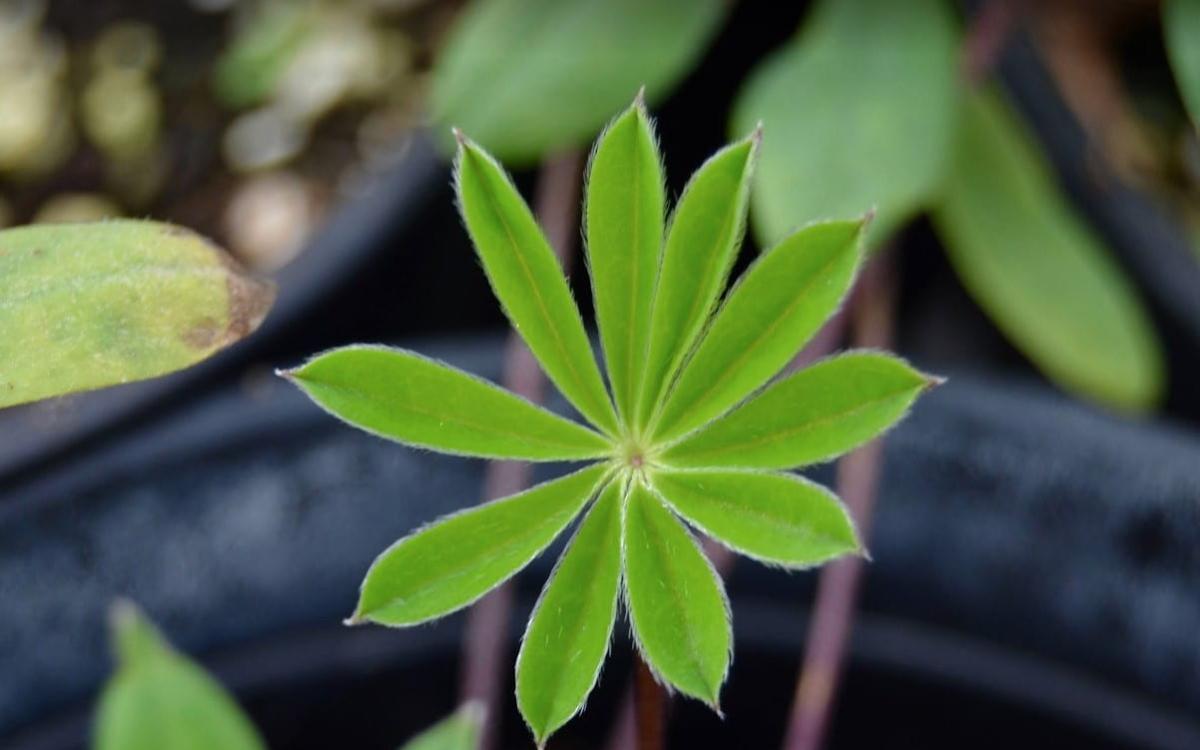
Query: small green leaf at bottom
159, 700
568, 634
676, 601
458, 731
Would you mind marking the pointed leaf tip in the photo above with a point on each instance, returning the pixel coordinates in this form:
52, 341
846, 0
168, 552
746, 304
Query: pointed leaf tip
868, 218
459, 138
640, 100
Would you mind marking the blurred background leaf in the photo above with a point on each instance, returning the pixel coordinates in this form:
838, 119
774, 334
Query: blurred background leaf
1181, 29
859, 112
159, 700
527, 77
84, 306
1038, 271
459, 731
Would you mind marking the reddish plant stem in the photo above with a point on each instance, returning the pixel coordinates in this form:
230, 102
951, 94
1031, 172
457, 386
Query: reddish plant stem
872, 310
650, 710
485, 667
987, 37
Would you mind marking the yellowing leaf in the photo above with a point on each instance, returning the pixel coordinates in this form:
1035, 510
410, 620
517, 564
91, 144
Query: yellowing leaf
85, 306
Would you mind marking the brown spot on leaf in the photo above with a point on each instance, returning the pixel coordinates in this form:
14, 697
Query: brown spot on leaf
203, 335
250, 300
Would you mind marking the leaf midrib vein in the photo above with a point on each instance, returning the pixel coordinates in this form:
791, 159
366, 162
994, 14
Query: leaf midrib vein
789, 432
765, 517
455, 419
667, 563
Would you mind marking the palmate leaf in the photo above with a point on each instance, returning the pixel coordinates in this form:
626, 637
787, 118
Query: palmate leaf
702, 242
676, 600
569, 631
529, 282
158, 700
672, 449
775, 308
530, 77
779, 519
85, 306
1038, 271
810, 416
451, 563
626, 197
1181, 31
867, 97
411, 399
460, 730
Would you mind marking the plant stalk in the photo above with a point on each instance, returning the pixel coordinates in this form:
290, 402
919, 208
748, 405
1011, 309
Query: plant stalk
485, 641
871, 312
651, 708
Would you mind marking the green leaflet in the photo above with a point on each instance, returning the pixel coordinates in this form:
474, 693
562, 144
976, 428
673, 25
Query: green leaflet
403, 396
810, 416
775, 308
1037, 270
158, 700
529, 77
458, 731
452, 562
529, 282
706, 230
569, 631
675, 600
779, 519
1181, 31
625, 204
863, 105
85, 306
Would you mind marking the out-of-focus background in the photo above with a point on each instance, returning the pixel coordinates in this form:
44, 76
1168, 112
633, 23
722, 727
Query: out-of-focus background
1036, 543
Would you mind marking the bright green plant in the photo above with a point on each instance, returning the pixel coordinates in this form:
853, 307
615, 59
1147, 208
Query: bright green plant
84, 306
1181, 29
686, 435
871, 97
159, 700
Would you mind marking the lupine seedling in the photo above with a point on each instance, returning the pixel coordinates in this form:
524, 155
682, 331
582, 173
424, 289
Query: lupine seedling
688, 435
